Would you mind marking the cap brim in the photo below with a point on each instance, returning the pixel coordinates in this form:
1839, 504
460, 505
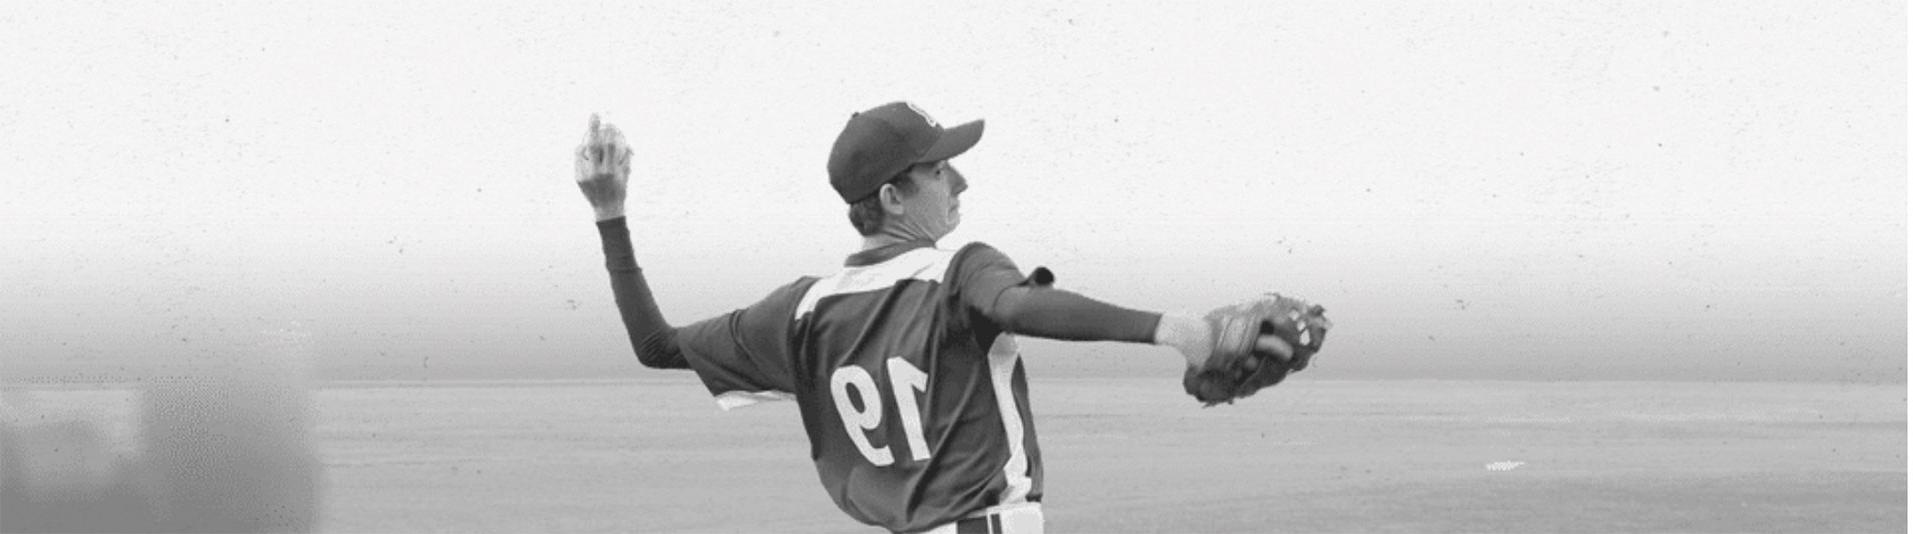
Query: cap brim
955, 141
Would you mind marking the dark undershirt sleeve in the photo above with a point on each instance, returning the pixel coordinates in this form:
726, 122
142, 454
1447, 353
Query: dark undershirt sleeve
654, 340
990, 283
1059, 314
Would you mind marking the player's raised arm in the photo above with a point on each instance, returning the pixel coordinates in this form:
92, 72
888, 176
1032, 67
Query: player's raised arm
604, 171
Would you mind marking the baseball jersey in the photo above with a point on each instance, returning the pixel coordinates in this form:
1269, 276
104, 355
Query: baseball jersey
915, 402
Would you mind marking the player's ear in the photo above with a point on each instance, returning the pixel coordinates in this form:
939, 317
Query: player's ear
891, 198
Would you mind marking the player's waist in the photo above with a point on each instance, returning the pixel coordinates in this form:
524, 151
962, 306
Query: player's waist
1019, 518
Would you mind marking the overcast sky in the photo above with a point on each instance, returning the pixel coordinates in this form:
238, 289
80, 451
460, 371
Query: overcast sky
1573, 189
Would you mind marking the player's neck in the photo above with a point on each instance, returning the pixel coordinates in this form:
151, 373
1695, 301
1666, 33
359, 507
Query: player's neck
902, 230
892, 236
873, 242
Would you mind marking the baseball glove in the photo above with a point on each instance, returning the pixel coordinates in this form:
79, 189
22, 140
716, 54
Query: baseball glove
1236, 369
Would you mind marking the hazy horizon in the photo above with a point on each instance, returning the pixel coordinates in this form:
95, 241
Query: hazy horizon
1568, 190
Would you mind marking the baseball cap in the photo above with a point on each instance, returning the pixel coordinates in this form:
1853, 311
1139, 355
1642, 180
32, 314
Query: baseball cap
880, 142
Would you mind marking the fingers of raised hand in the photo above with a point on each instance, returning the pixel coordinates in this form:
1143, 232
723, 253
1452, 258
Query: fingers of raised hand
583, 161
588, 149
587, 153
617, 151
611, 148
604, 143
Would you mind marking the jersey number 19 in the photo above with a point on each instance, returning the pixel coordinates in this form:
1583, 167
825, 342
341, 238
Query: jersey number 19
905, 381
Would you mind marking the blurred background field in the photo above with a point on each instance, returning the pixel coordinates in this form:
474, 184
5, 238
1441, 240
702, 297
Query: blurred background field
1544, 230
1123, 455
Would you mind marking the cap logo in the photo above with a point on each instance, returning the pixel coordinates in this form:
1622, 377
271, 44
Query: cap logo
920, 113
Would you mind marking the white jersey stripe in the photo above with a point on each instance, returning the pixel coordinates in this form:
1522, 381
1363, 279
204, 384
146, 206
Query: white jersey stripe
1016, 471
927, 264
731, 400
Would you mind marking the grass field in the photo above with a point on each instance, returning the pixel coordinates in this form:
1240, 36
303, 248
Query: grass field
1133, 455
1136, 456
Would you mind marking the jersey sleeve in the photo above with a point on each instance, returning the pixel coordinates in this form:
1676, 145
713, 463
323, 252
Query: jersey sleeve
983, 273
744, 356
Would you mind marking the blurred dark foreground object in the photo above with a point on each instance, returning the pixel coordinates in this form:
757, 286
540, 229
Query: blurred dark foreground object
225, 448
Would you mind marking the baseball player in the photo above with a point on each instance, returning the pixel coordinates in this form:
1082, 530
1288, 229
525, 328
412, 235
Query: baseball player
904, 364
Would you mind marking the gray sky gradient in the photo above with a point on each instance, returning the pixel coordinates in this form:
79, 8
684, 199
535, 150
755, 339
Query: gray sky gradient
1689, 190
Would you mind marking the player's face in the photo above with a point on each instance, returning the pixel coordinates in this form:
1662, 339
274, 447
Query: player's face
935, 208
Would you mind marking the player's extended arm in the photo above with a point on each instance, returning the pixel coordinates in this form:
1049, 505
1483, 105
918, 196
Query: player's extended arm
1059, 314
604, 169
991, 284
1233, 351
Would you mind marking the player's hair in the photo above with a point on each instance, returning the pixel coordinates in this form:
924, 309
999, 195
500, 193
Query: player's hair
866, 214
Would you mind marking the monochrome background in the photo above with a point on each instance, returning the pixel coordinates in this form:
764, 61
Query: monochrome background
1683, 190
1581, 244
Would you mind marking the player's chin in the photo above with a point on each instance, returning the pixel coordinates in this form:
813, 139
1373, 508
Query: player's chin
950, 225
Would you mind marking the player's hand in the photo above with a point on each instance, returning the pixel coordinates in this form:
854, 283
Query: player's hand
1195, 338
1255, 345
604, 168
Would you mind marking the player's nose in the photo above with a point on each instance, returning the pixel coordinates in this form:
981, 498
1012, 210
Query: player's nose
958, 183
